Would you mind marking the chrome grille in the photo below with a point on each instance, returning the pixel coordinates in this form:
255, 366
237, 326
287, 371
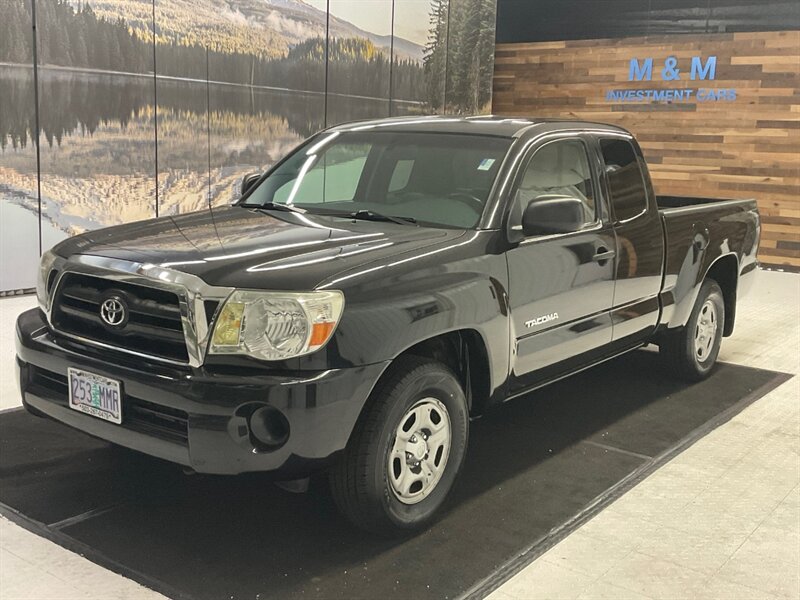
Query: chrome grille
154, 324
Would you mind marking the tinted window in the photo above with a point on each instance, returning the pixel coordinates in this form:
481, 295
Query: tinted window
332, 178
558, 169
435, 178
401, 175
625, 181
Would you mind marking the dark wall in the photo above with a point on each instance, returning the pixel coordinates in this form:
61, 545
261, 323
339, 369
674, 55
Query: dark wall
549, 20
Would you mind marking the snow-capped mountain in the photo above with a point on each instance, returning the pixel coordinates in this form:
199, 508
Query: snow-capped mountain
300, 11
262, 27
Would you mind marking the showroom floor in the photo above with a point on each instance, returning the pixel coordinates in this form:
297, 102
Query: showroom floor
722, 520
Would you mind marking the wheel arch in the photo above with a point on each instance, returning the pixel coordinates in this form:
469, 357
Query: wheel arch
680, 299
725, 271
465, 352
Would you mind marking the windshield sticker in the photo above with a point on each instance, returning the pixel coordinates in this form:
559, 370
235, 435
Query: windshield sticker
485, 164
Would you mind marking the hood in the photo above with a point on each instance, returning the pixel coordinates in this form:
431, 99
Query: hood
248, 248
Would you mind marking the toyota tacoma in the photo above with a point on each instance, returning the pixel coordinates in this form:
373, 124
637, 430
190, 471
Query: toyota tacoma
372, 292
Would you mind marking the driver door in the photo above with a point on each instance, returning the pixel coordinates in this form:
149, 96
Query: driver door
561, 285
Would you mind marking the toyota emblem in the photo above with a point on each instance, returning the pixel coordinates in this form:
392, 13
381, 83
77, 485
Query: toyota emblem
114, 312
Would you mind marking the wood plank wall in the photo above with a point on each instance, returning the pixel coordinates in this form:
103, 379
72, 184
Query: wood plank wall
746, 148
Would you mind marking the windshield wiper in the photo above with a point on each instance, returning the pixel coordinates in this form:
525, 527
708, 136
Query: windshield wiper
371, 215
274, 206
363, 214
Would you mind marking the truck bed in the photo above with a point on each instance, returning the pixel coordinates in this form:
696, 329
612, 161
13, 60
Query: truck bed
672, 202
697, 232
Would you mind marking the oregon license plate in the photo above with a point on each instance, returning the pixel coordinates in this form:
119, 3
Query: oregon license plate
95, 395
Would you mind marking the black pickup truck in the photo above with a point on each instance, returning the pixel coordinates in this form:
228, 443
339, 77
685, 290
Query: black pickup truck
378, 287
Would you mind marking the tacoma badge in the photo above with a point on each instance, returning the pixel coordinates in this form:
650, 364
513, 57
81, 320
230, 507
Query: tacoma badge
541, 320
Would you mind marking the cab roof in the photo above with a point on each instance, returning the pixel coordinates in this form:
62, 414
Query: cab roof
493, 125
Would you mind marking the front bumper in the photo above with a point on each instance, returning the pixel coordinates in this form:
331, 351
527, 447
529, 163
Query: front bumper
195, 416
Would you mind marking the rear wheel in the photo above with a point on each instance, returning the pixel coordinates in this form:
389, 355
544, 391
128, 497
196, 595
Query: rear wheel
692, 350
406, 450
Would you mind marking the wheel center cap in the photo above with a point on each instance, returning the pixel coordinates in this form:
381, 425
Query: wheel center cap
417, 448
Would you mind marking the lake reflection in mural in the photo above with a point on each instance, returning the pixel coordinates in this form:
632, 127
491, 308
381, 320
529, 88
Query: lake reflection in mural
98, 159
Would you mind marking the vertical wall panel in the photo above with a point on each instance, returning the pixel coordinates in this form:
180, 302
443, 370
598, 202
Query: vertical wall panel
19, 204
470, 56
359, 46
263, 102
417, 86
182, 105
96, 118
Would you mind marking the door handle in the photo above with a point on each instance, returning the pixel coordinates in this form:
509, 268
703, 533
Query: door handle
603, 255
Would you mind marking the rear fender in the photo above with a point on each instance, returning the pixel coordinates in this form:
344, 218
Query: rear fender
681, 299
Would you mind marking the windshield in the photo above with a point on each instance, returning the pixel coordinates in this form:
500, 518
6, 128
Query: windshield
429, 178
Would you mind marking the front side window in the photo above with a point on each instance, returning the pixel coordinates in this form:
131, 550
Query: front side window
625, 181
559, 168
433, 178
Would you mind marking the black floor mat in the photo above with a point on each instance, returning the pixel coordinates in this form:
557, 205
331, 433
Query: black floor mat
533, 465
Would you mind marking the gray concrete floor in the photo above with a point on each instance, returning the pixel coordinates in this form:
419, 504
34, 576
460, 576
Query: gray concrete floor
721, 520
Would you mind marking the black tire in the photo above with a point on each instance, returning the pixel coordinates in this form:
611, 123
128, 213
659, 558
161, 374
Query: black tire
360, 479
678, 348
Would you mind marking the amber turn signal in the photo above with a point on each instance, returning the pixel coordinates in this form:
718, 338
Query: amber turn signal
320, 332
229, 325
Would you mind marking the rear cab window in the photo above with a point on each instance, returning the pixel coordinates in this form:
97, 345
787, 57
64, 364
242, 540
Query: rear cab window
625, 179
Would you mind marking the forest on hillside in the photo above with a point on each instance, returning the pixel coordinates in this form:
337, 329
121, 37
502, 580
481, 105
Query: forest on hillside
78, 37
459, 55
457, 61
80, 104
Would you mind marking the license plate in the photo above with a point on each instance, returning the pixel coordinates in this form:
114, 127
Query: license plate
95, 395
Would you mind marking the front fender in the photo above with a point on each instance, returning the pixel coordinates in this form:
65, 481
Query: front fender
411, 312
391, 309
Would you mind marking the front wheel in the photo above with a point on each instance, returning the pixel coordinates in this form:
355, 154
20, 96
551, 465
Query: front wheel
692, 351
406, 450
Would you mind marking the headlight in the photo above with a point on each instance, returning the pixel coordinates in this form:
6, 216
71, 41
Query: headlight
43, 281
276, 325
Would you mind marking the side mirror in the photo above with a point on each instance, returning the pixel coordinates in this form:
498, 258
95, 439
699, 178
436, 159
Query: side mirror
248, 181
553, 213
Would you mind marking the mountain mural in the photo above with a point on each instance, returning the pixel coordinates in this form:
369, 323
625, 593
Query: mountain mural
264, 28
239, 83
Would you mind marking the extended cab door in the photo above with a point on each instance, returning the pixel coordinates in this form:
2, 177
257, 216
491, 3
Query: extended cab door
561, 285
640, 239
